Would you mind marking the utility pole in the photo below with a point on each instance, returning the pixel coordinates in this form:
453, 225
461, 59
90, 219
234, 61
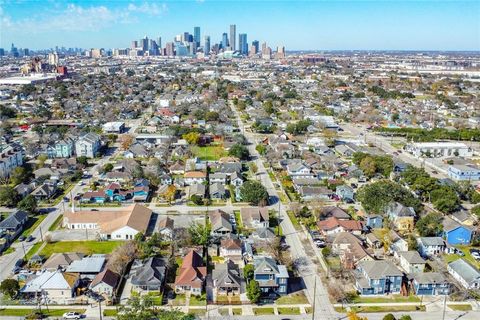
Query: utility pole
314, 294
41, 234
100, 308
444, 306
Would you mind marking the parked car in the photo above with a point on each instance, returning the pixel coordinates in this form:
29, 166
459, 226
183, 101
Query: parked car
320, 243
71, 315
21, 238
30, 238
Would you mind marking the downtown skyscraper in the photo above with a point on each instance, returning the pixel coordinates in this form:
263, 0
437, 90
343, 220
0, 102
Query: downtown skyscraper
243, 43
196, 36
206, 45
233, 37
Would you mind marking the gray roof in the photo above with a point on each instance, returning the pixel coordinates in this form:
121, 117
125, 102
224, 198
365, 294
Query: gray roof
431, 241
412, 257
468, 272
93, 264
380, 269
226, 275
220, 219
449, 224
149, 272
429, 277
264, 233
14, 220
265, 265
400, 210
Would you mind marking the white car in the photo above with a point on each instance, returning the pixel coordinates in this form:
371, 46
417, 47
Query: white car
476, 255
71, 315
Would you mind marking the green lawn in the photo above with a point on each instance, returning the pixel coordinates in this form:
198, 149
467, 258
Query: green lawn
288, 310
460, 307
24, 312
294, 220
33, 250
86, 247
56, 223
9, 250
468, 257
263, 311
197, 312
179, 300
392, 298
198, 301
33, 223
388, 309
294, 298
210, 153
110, 313
237, 311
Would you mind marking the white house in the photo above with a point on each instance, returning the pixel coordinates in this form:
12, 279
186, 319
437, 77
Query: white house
10, 158
88, 145
465, 273
463, 172
114, 127
430, 246
439, 149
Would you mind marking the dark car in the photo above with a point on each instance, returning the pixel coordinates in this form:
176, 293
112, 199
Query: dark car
30, 238
21, 238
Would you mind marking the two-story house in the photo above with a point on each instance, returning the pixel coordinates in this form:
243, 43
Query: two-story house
378, 277
430, 284
220, 222
465, 273
271, 277
403, 217
430, 246
194, 177
88, 145
11, 156
456, 233
61, 149
255, 217
192, 274
411, 261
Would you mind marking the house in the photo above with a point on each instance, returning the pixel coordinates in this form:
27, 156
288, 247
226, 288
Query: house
236, 179
271, 277
398, 243
194, 177
217, 191
61, 260
456, 233
141, 190
255, 217
466, 274
61, 149
197, 190
24, 189
378, 277
98, 196
315, 193
122, 224
11, 156
345, 192
403, 217
57, 286
218, 178
113, 127
44, 192
220, 222
262, 235
14, 223
226, 279
166, 227
148, 275
332, 211
411, 261
229, 168
298, 169
191, 276
88, 267
430, 246
88, 145
430, 284
231, 249
350, 250
334, 225
105, 283
464, 172
373, 221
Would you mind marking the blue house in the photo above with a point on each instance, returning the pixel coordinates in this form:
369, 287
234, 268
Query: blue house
456, 233
61, 149
345, 192
272, 277
378, 277
374, 221
430, 284
464, 172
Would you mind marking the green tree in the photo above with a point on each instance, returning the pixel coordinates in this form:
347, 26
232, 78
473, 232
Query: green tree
253, 291
192, 137
248, 271
368, 166
430, 225
8, 196
254, 192
107, 167
29, 204
212, 116
199, 233
196, 199
376, 196
389, 316
82, 160
262, 150
476, 211
141, 308
9, 287
19, 175
445, 199
405, 317
240, 151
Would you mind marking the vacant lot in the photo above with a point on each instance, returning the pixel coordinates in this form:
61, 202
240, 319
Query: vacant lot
86, 247
209, 153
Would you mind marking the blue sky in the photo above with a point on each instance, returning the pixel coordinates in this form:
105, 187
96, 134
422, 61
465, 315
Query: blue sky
308, 25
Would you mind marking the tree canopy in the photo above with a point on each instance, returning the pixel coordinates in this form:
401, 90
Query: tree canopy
240, 151
430, 225
254, 192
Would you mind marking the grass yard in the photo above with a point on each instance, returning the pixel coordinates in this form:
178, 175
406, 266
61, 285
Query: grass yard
33, 223
110, 313
56, 223
263, 311
468, 257
460, 307
333, 262
292, 311
388, 309
294, 298
198, 301
179, 300
209, 153
392, 298
8, 251
86, 247
294, 220
197, 312
25, 312
237, 311
33, 250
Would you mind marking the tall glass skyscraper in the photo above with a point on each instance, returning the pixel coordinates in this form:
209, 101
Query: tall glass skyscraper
196, 36
242, 43
224, 41
256, 44
206, 46
233, 36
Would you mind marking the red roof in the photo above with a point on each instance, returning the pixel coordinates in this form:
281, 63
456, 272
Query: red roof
192, 273
332, 223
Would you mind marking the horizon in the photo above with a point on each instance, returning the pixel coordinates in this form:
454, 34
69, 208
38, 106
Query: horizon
418, 26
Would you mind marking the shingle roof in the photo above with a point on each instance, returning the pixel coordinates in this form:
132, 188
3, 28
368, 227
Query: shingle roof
107, 276
468, 272
14, 220
149, 272
380, 269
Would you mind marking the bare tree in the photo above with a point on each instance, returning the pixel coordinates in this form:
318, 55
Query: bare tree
122, 256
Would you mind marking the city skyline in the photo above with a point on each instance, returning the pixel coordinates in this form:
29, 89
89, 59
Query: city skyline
337, 25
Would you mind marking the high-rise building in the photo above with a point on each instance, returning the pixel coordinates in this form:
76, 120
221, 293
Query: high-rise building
144, 44
196, 36
253, 50
134, 44
206, 45
185, 37
233, 37
2, 52
243, 43
26, 52
224, 41
53, 58
256, 44
159, 43
170, 50
264, 47
280, 52
14, 51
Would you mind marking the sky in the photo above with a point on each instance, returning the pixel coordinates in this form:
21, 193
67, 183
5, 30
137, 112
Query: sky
297, 25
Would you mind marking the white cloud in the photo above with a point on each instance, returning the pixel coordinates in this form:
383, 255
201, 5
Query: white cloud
152, 9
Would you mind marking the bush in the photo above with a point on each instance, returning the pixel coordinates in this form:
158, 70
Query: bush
326, 251
389, 316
